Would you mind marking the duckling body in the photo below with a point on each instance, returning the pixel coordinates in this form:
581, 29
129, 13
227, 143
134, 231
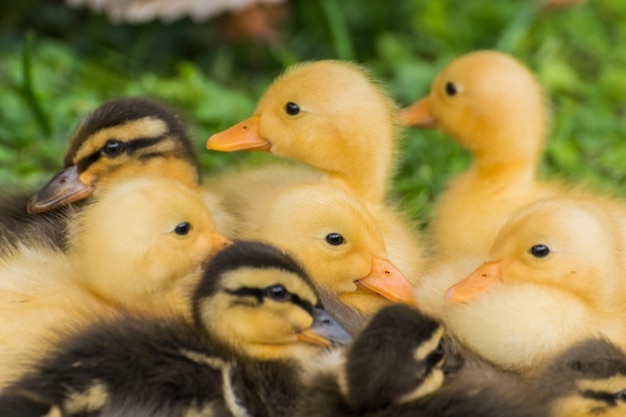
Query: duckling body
332, 116
18, 227
139, 247
556, 258
121, 139
400, 365
256, 315
492, 106
324, 226
587, 379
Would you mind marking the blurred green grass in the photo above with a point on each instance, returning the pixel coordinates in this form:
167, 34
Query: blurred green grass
56, 64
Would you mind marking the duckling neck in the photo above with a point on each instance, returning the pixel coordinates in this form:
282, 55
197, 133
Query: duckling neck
372, 189
514, 165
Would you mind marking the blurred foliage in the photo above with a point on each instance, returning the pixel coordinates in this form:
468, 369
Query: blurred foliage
56, 64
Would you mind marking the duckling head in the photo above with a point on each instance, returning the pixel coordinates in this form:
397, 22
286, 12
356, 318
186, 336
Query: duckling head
338, 241
121, 139
328, 114
586, 380
554, 258
563, 243
397, 358
142, 239
261, 302
491, 104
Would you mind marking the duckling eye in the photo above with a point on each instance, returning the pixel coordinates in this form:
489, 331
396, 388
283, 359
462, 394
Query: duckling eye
437, 354
113, 147
292, 108
182, 228
334, 239
277, 293
540, 251
621, 396
451, 89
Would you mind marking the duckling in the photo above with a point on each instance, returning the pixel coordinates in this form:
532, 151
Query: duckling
256, 317
555, 258
332, 116
324, 226
493, 106
398, 366
122, 138
137, 247
586, 380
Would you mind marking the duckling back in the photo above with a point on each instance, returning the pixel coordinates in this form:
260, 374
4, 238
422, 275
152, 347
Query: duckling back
586, 379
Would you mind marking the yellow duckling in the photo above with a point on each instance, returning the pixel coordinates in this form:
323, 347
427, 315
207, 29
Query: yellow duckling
554, 276
139, 247
332, 116
324, 226
494, 107
329, 115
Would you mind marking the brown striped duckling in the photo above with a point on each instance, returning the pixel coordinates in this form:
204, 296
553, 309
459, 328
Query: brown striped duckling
121, 139
256, 318
401, 365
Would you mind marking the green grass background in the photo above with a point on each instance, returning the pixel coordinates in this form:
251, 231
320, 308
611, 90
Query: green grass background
56, 64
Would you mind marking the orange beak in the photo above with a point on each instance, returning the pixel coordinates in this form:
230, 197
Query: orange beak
244, 136
219, 242
478, 282
387, 280
418, 115
64, 188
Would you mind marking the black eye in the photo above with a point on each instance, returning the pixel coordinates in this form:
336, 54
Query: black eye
182, 228
540, 251
621, 396
292, 108
437, 354
334, 239
277, 293
113, 147
450, 89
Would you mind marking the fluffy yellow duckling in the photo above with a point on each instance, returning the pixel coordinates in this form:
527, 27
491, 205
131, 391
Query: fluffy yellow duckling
493, 106
554, 276
139, 247
121, 139
329, 115
332, 116
324, 226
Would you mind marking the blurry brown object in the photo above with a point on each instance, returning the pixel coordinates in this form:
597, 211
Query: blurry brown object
255, 19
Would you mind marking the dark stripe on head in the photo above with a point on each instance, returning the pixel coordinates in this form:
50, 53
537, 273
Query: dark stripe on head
609, 398
243, 254
259, 294
130, 147
121, 110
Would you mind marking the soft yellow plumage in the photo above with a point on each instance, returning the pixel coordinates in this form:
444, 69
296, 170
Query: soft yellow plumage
139, 248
